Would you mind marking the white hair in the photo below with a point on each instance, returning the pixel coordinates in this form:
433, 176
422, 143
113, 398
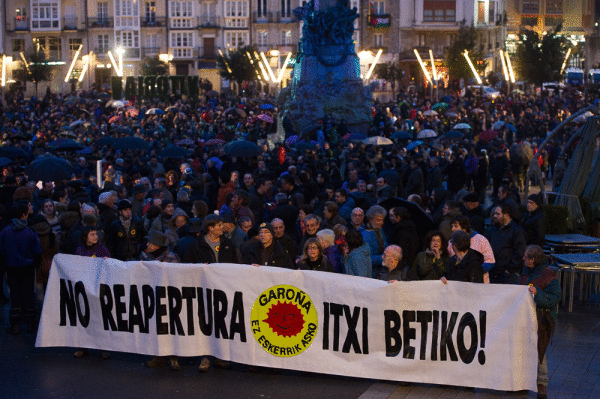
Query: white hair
327, 236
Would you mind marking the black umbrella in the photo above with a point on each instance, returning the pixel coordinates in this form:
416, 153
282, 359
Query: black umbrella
5, 161
174, 151
65, 145
105, 141
423, 221
12, 152
242, 149
453, 134
49, 169
104, 96
401, 135
131, 143
122, 130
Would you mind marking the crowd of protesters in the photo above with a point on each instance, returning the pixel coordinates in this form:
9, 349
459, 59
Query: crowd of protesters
321, 202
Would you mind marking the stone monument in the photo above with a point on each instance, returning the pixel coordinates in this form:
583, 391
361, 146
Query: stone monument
326, 78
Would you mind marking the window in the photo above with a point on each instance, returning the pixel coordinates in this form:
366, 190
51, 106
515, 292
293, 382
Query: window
103, 45
182, 44
439, 11
378, 40
529, 21
102, 11
18, 45
49, 45
150, 11
378, 7
422, 39
74, 45
45, 14
236, 14
531, 7
181, 14
235, 39
151, 45
286, 9
261, 8
554, 7
21, 14
262, 38
128, 39
286, 37
126, 14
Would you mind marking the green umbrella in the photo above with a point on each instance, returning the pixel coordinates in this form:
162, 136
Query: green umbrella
440, 106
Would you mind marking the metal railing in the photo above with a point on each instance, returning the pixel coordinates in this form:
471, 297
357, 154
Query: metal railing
153, 22
69, 23
100, 52
151, 51
102, 22
207, 53
209, 21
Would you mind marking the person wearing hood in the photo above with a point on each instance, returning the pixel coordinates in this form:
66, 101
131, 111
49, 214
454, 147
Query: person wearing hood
21, 251
466, 264
161, 223
178, 220
357, 261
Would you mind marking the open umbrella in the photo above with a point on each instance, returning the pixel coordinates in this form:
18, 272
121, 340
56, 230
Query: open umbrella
265, 118
511, 128
214, 142
172, 108
85, 151
422, 220
104, 96
477, 110
426, 134
451, 113
462, 126
267, 106
49, 169
488, 135
453, 134
117, 104
105, 141
67, 134
401, 136
521, 152
498, 125
414, 145
430, 112
378, 140
12, 152
242, 149
76, 123
65, 144
132, 113
155, 111
122, 130
212, 93
5, 161
115, 119
447, 99
174, 151
439, 106
354, 137
185, 142
131, 143
291, 140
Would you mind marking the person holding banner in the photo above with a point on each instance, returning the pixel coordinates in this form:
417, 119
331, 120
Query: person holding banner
547, 293
432, 263
466, 264
267, 251
313, 258
394, 268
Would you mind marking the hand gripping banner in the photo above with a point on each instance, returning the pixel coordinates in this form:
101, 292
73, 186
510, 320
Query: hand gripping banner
478, 335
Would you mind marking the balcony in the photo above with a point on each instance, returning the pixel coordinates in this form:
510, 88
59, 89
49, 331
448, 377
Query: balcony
209, 21
69, 23
103, 22
45, 24
17, 24
182, 23
182, 53
100, 52
131, 53
151, 51
379, 21
153, 22
263, 18
206, 53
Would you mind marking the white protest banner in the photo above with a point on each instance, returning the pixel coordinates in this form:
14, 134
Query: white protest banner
478, 335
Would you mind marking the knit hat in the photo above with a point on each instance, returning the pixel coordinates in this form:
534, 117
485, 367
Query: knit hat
124, 204
267, 226
157, 238
471, 197
87, 210
536, 198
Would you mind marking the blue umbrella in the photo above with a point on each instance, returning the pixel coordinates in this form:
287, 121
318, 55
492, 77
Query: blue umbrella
453, 134
511, 127
267, 106
354, 137
85, 151
131, 143
155, 111
4, 161
401, 135
414, 145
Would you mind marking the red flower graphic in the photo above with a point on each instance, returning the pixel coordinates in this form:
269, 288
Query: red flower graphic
285, 319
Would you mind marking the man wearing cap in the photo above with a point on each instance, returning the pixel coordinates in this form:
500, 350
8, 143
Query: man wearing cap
267, 251
125, 235
474, 212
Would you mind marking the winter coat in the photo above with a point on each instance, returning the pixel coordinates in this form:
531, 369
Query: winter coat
358, 262
426, 267
200, 252
370, 238
469, 269
279, 257
125, 245
20, 245
402, 272
161, 255
508, 243
415, 183
535, 227
322, 265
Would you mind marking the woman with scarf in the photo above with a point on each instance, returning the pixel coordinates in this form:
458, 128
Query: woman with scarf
313, 258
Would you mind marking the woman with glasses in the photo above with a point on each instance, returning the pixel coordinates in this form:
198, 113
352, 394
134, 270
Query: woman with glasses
313, 258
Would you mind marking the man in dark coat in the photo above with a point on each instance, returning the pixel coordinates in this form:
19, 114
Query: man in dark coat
125, 236
284, 211
188, 234
466, 264
474, 212
508, 242
434, 177
212, 246
267, 251
280, 235
415, 183
394, 268
533, 221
